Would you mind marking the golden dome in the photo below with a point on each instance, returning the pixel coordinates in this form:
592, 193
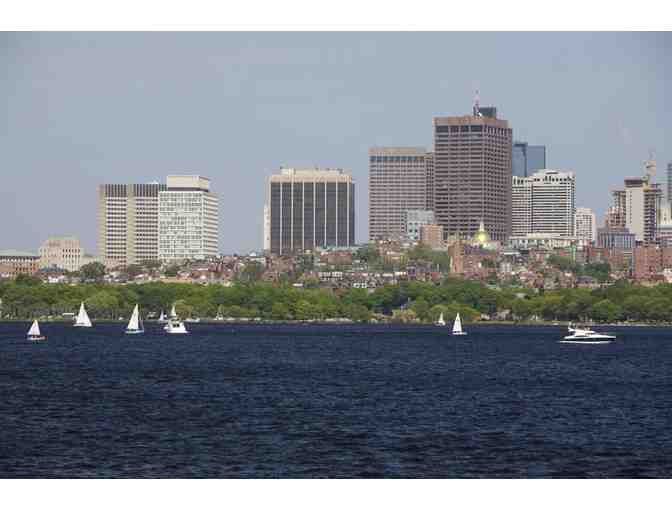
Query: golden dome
481, 237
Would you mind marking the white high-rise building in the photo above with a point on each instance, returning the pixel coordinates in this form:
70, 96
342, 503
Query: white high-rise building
188, 219
61, 252
543, 203
585, 225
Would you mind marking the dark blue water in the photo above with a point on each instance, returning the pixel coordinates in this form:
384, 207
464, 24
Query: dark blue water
334, 401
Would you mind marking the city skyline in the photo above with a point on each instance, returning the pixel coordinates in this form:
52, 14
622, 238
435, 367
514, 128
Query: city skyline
87, 109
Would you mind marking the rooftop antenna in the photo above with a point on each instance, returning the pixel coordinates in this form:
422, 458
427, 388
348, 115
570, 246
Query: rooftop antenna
477, 108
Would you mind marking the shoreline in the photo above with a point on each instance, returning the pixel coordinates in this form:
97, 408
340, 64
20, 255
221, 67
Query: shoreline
271, 322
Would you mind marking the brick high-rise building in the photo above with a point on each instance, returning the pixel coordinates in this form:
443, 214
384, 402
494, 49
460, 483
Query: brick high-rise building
472, 173
399, 181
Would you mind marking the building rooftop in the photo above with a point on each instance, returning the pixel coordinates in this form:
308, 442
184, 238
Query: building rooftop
17, 253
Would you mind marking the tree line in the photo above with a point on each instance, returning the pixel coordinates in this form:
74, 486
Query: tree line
28, 297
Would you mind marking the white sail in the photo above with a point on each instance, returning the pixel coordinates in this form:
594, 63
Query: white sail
457, 325
134, 323
441, 322
34, 329
162, 318
82, 317
172, 312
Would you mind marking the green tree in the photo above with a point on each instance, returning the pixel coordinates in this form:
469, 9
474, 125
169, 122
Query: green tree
92, 271
357, 313
103, 304
522, 309
421, 308
606, 311
183, 309
280, 311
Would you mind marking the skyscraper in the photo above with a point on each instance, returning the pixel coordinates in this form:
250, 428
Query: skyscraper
311, 208
669, 182
585, 225
527, 159
128, 223
188, 223
398, 182
638, 205
472, 173
544, 203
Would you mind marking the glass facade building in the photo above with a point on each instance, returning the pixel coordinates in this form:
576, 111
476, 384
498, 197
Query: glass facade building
310, 209
527, 159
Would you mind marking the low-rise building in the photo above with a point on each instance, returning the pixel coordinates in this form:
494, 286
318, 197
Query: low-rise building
432, 236
61, 252
14, 263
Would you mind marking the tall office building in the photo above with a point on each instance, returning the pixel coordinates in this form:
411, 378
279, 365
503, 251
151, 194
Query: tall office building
638, 205
544, 203
429, 168
311, 208
398, 182
188, 219
128, 223
527, 159
669, 182
472, 173
585, 225
61, 252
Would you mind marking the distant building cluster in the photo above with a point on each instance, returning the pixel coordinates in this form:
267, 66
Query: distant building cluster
168, 222
489, 203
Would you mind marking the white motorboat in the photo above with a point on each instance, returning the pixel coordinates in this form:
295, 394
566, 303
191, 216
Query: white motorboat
176, 327
586, 336
197, 319
440, 321
135, 326
457, 326
82, 320
34, 332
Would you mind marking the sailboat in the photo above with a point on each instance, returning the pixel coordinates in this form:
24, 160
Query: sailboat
135, 326
175, 326
83, 320
34, 332
457, 326
440, 321
162, 317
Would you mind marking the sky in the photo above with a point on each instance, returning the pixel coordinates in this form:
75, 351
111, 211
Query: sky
81, 109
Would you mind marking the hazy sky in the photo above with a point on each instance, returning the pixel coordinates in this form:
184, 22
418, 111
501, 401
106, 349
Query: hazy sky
80, 109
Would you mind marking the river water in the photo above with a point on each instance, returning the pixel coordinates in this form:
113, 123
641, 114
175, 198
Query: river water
259, 401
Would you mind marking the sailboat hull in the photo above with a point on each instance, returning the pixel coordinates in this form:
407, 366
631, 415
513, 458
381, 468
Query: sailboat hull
460, 333
36, 338
81, 325
135, 331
